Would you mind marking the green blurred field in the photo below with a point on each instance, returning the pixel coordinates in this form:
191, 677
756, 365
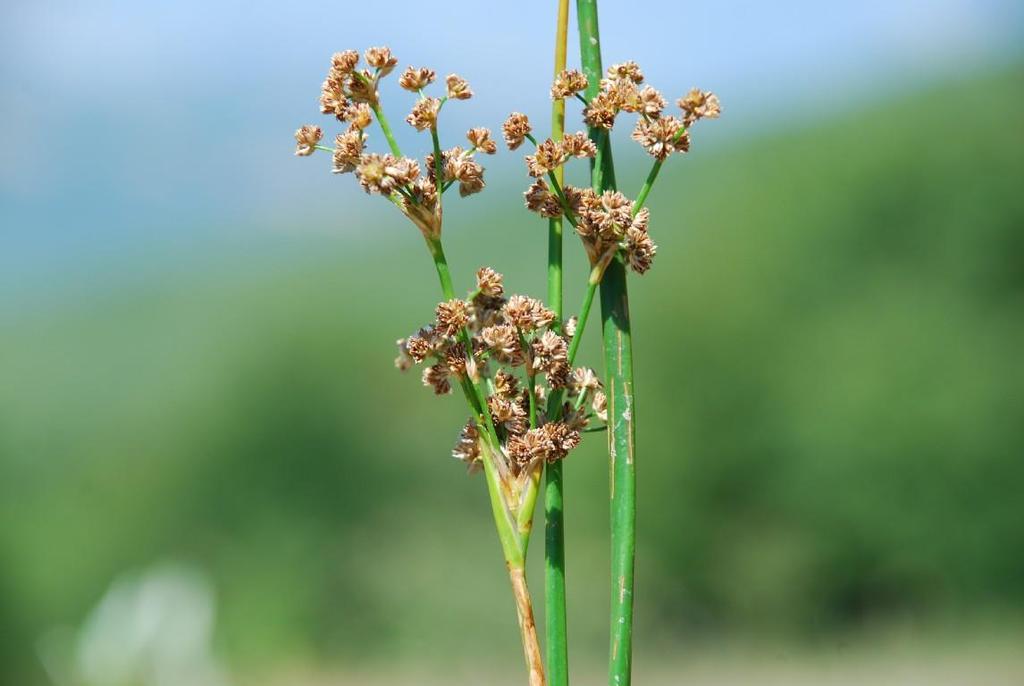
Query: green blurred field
830, 409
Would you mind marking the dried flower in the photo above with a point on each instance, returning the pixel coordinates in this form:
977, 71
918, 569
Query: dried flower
469, 174
480, 138
526, 313
436, 377
359, 115
601, 111
458, 88
503, 342
585, 379
362, 87
413, 79
489, 282
423, 343
626, 70
404, 361
568, 83
381, 59
343, 63
562, 439
662, 136
332, 96
515, 129
348, 149
698, 104
651, 102
548, 351
467, 447
569, 328
541, 200
452, 316
600, 405
640, 249
505, 385
578, 145
548, 157
424, 114
306, 139
384, 173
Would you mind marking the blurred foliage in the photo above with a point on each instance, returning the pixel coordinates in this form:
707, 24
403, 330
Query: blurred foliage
828, 365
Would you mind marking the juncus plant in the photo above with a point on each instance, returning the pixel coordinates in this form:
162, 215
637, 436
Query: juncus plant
512, 357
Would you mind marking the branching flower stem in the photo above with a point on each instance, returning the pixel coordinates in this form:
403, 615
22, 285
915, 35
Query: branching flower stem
503, 503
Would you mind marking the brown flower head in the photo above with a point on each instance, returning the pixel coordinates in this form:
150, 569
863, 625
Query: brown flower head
584, 380
413, 79
568, 83
384, 173
600, 405
424, 114
424, 343
541, 200
529, 448
507, 413
698, 104
381, 59
470, 175
640, 249
306, 138
452, 316
526, 313
578, 145
548, 157
601, 111
624, 94
548, 351
361, 87
662, 136
613, 215
626, 70
489, 282
359, 116
480, 138
505, 385
344, 62
458, 88
436, 377
503, 342
332, 96
561, 438
467, 447
651, 102
515, 129
348, 148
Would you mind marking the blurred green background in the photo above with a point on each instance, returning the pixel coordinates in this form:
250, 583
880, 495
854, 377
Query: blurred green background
830, 412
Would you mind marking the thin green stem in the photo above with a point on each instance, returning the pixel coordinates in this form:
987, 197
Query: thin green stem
618, 358
652, 176
378, 111
555, 623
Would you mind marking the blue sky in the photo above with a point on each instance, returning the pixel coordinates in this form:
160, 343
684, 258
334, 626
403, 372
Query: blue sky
129, 125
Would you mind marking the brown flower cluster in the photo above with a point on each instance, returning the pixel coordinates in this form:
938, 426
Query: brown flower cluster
351, 95
506, 346
552, 154
621, 91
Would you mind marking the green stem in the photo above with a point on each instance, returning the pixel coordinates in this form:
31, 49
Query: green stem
618, 360
378, 111
652, 176
555, 624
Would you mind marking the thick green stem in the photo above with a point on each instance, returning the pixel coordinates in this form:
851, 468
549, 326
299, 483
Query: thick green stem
619, 380
555, 623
